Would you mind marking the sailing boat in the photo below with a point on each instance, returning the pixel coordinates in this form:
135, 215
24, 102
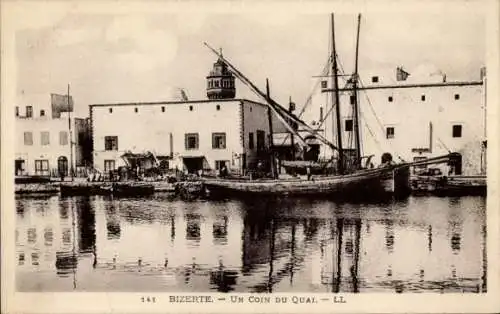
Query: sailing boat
350, 180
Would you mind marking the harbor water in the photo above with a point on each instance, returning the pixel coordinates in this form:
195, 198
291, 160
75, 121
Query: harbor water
105, 244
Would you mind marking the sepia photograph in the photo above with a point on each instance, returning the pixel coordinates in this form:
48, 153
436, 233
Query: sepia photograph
250, 157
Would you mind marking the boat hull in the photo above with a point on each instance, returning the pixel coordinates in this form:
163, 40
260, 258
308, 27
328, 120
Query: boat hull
366, 183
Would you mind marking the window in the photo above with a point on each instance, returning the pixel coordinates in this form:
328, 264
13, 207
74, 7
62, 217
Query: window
422, 97
190, 108
42, 166
217, 107
374, 79
352, 99
28, 138
457, 130
29, 111
42, 113
109, 165
218, 140
220, 163
111, 143
250, 141
324, 84
136, 110
261, 140
389, 132
192, 141
63, 138
348, 125
320, 114
162, 108
216, 83
390, 99
45, 138
457, 96
110, 110
17, 111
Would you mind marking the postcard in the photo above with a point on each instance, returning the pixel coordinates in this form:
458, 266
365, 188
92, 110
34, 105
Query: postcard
237, 156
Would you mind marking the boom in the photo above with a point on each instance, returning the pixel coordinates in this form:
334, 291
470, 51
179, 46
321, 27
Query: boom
280, 112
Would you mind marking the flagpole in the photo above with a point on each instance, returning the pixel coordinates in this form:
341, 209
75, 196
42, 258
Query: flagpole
70, 137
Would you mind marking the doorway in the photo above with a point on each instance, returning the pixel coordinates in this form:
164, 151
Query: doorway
62, 166
19, 167
193, 164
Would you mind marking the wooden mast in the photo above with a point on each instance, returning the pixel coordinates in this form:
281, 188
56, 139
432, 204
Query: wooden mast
355, 95
71, 170
336, 102
270, 121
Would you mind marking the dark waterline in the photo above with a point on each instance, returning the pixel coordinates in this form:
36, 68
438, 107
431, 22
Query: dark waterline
421, 244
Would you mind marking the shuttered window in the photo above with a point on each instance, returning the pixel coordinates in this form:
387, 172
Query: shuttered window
45, 138
28, 138
63, 138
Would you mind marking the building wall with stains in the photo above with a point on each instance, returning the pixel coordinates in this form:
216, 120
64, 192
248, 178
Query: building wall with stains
410, 120
161, 128
41, 139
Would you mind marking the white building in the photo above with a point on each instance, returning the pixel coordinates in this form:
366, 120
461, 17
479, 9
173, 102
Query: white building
409, 117
43, 142
191, 135
194, 134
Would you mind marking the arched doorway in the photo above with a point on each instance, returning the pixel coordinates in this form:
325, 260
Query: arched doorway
62, 166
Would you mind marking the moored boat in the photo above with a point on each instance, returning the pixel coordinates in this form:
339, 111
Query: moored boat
363, 183
131, 189
341, 176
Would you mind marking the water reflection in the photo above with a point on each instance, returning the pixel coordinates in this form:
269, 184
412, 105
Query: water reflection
266, 245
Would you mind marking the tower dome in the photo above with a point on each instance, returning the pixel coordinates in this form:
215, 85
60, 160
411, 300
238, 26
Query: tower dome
220, 82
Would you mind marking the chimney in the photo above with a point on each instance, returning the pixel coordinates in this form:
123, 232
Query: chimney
483, 73
401, 75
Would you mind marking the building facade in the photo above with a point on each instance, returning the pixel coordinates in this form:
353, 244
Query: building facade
47, 146
194, 135
190, 135
411, 119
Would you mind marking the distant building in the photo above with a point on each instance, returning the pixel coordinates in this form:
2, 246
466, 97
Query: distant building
190, 135
43, 143
410, 117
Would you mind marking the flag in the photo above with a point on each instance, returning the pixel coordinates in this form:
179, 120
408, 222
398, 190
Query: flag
60, 104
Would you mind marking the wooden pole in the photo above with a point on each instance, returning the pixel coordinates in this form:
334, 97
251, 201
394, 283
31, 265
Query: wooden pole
292, 137
355, 94
336, 101
70, 137
270, 121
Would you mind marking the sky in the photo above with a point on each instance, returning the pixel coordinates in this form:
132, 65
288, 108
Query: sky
109, 58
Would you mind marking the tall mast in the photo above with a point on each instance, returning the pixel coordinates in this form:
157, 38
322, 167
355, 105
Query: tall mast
292, 140
355, 95
336, 102
70, 137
